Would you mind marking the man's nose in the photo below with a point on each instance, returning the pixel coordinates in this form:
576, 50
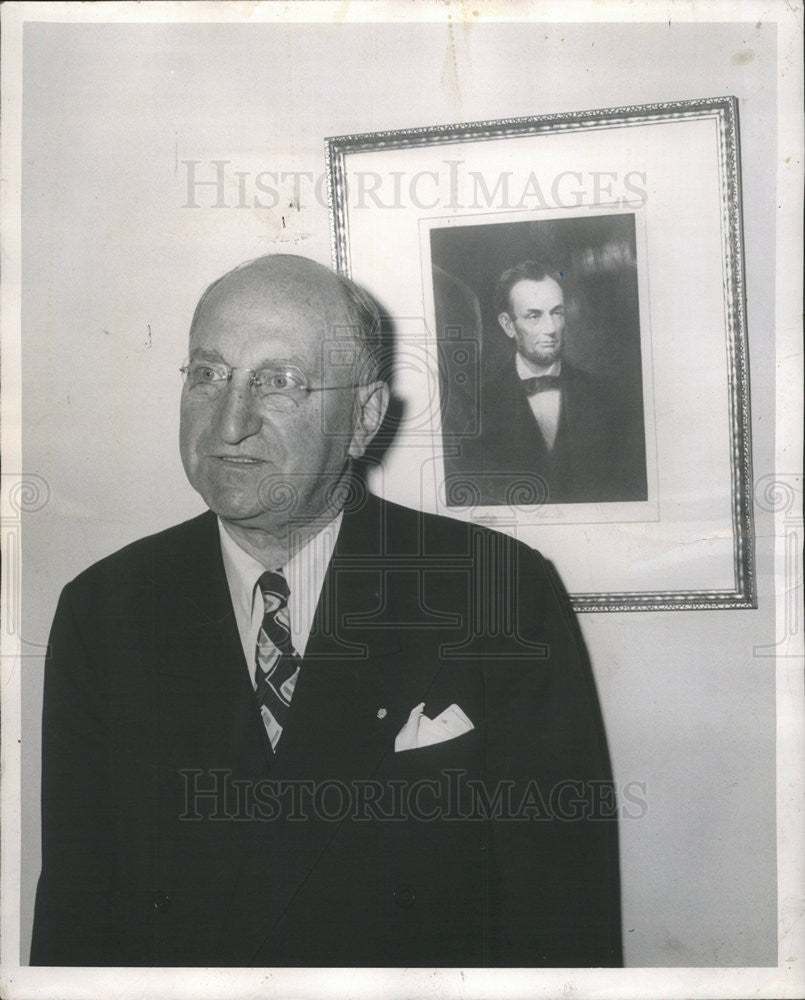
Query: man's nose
547, 324
238, 417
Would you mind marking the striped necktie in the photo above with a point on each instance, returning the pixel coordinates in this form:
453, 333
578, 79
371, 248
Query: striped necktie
276, 661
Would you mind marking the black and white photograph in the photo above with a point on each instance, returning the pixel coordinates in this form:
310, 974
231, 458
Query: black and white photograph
549, 312
401, 500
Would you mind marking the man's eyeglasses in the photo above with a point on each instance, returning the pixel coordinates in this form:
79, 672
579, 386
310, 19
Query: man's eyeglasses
283, 387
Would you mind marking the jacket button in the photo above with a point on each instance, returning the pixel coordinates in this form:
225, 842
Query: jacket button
162, 901
404, 896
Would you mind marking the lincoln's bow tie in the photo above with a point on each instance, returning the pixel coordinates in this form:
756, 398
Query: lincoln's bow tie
541, 383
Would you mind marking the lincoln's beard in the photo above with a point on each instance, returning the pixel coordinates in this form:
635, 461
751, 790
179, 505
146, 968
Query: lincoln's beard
543, 356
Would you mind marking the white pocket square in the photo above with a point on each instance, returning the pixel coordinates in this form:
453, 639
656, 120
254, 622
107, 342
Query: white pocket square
420, 731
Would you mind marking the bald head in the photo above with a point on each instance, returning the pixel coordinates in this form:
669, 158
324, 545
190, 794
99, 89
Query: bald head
288, 286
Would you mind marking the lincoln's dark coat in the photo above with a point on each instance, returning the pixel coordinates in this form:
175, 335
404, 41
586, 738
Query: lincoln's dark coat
598, 455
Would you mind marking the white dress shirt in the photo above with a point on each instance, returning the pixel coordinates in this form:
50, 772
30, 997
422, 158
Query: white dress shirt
547, 405
304, 571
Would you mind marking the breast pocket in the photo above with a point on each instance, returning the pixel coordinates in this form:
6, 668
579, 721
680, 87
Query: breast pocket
463, 753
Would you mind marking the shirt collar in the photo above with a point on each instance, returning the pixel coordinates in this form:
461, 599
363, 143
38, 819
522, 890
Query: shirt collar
304, 571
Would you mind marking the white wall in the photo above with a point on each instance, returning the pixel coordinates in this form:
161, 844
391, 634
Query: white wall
113, 264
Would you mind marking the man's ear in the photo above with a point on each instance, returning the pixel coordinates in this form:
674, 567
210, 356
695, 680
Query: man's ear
372, 401
506, 324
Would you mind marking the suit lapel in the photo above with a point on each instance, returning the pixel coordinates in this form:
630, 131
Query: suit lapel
359, 662
346, 648
204, 698
523, 439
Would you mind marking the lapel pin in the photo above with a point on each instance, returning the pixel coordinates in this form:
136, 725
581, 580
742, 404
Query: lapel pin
382, 713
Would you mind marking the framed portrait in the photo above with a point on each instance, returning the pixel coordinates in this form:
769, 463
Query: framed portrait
565, 296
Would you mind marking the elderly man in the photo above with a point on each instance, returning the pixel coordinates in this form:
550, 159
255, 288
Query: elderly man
575, 437
309, 727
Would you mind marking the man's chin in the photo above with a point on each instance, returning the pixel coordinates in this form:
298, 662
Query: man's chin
235, 513
232, 503
268, 513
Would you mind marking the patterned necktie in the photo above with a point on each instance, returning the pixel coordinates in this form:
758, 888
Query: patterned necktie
277, 662
541, 383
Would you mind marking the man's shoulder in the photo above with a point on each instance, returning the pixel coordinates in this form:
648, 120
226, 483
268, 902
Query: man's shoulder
462, 565
409, 530
152, 554
581, 376
596, 392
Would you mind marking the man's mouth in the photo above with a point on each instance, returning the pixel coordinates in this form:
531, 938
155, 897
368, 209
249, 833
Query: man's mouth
238, 459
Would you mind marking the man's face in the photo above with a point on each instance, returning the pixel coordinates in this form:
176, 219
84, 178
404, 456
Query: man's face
535, 320
255, 467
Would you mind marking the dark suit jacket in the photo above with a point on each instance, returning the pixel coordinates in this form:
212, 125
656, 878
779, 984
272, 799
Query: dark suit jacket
598, 455
148, 705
